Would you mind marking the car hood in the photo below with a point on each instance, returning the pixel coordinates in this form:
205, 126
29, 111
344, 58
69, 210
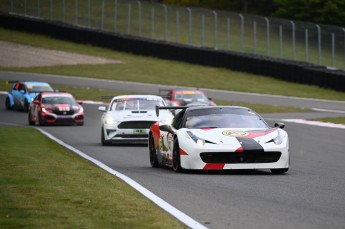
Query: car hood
228, 136
148, 115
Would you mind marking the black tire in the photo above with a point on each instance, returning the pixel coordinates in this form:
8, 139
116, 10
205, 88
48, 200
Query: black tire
153, 154
103, 141
26, 106
31, 123
176, 158
8, 104
40, 120
279, 171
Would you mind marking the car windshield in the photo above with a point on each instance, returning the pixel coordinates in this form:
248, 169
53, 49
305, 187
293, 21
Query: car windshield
223, 118
39, 87
59, 100
136, 104
190, 96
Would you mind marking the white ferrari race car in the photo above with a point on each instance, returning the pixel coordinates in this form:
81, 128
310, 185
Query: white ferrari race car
218, 138
129, 117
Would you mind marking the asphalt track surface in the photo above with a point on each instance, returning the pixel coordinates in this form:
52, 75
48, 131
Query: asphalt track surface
310, 195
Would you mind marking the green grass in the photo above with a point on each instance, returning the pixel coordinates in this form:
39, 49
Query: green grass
337, 120
154, 70
42, 185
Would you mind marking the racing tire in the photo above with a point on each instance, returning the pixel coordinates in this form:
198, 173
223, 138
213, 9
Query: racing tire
279, 171
8, 104
40, 120
103, 141
26, 106
176, 158
31, 123
153, 154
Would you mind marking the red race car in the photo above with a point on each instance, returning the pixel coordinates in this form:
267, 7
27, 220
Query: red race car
55, 108
183, 97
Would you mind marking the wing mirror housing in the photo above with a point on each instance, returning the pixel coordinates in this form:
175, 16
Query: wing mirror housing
166, 128
279, 125
102, 108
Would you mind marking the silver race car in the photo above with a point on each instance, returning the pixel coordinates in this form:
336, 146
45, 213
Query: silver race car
128, 118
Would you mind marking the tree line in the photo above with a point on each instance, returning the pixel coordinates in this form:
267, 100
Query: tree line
318, 11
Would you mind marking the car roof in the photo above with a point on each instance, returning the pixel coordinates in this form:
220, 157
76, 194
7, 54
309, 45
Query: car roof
31, 82
137, 96
51, 93
215, 107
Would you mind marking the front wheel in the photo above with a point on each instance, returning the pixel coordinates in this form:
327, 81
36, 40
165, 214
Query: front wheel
31, 123
26, 106
8, 104
40, 120
153, 153
103, 141
177, 158
279, 171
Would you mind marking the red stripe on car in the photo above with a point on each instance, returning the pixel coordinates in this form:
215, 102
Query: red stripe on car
214, 166
182, 152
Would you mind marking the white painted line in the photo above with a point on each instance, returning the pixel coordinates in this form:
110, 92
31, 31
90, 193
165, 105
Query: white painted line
315, 123
326, 110
157, 200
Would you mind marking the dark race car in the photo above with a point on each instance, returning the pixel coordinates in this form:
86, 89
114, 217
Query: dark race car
55, 108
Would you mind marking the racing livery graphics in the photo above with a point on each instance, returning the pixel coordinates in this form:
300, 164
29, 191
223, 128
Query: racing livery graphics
217, 138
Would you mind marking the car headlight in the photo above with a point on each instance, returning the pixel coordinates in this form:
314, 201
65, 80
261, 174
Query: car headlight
279, 139
110, 121
196, 139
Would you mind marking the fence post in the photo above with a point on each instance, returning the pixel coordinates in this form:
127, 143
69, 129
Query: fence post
63, 10
38, 9
333, 50
102, 19
242, 31
51, 9
190, 25
267, 36
254, 36
76, 12
115, 15
88, 13
11, 10
215, 29
202, 30
177, 26
319, 43
228, 33
280, 41
25, 3
306, 46
129, 18
139, 18
152, 22
165, 21
293, 40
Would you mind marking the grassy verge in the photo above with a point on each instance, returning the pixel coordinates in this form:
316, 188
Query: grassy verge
338, 120
153, 70
95, 94
45, 186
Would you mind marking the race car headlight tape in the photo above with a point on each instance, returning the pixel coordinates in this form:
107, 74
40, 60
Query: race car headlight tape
196, 139
110, 121
279, 139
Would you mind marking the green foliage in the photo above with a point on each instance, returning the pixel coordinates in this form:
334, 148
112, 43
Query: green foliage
317, 11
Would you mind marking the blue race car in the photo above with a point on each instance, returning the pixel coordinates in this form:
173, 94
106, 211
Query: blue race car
23, 92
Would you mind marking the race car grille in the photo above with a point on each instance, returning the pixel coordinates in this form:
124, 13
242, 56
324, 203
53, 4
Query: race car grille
57, 112
132, 135
238, 158
136, 125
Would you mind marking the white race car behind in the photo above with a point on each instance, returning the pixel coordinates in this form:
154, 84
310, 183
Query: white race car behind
129, 117
218, 138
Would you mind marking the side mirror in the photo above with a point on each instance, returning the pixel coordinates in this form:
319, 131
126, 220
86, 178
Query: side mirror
102, 108
279, 125
80, 102
166, 128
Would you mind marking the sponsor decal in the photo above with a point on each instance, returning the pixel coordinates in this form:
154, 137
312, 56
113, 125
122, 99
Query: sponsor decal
235, 133
209, 166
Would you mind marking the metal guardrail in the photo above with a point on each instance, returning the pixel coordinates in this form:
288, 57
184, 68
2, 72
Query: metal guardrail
322, 45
